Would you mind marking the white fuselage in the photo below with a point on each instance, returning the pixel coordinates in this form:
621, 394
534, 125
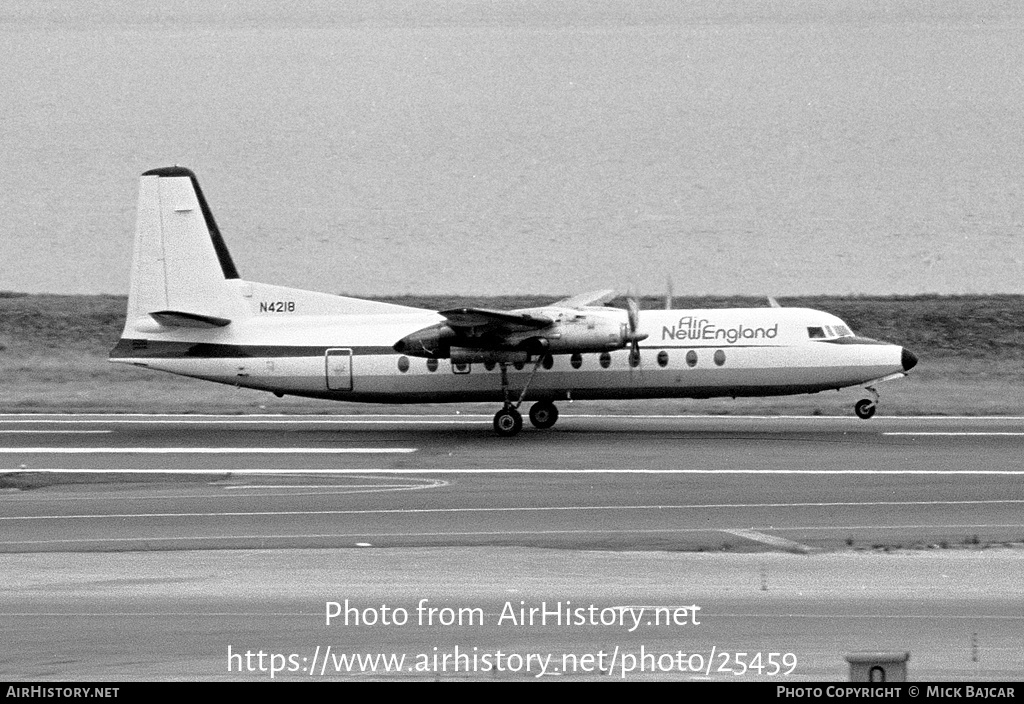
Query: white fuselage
686, 354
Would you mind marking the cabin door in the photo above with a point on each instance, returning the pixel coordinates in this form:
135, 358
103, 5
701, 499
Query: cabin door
339, 369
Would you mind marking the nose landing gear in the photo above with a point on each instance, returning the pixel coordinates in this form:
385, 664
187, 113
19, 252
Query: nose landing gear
866, 407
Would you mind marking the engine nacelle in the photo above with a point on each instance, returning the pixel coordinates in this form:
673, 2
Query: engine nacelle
433, 341
586, 333
578, 332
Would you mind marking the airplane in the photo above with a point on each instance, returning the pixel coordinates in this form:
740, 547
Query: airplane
191, 313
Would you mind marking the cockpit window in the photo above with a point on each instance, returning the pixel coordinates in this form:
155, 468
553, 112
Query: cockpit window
829, 332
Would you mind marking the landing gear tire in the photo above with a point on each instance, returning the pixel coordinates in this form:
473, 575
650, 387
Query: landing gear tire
508, 422
543, 414
865, 408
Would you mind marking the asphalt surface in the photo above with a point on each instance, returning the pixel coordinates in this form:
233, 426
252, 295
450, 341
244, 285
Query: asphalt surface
676, 483
820, 536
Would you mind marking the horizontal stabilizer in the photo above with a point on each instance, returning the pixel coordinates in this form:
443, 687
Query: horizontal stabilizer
180, 319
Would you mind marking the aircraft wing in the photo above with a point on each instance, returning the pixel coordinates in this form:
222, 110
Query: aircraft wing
582, 300
498, 321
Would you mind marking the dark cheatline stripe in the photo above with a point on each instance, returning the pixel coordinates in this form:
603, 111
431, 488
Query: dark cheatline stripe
719, 346
853, 341
127, 348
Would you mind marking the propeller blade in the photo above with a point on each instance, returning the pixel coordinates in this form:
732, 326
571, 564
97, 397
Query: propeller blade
633, 311
633, 315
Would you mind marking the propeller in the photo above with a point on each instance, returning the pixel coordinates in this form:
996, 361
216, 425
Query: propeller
632, 336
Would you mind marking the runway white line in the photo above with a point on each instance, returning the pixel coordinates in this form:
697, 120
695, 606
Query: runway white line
471, 420
365, 470
208, 450
56, 432
488, 533
299, 417
956, 434
718, 614
353, 487
465, 420
508, 509
773, 540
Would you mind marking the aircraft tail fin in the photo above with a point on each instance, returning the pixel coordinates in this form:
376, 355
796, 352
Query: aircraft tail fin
181, 264
184, 282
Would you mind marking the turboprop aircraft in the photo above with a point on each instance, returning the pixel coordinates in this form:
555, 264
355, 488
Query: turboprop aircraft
191, 313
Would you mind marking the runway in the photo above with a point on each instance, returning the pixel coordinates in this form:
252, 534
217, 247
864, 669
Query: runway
144, 547
637, 482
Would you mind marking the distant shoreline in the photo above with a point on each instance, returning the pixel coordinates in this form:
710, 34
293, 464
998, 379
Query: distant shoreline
53, 358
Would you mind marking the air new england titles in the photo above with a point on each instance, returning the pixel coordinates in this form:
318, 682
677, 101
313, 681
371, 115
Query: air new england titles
518, 613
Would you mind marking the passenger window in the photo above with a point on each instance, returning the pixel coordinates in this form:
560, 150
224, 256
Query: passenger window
719, 357
691, 359
576, 360
815, 333
606, 360
663, 358
403, 364
548, 362
431, 365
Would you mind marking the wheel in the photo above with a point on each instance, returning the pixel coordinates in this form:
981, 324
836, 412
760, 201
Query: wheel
508, 422
543, 414
865, 408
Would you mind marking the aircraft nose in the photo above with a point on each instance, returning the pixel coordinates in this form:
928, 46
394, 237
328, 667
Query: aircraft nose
908, 359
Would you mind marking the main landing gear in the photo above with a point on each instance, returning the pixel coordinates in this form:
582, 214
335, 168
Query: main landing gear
866, 407
508, 421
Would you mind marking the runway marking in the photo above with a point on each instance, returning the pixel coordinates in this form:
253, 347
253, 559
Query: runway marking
507, 509
299, 417
293, 614
956, 434
330, 486
57, 432
370, 470
209, 450
467, 534
413, 484
345, 489
773, 540
309, 420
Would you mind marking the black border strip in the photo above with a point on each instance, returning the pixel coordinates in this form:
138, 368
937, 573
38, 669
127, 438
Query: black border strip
129, 348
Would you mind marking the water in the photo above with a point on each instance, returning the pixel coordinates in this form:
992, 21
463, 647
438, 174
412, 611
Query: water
485, 147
